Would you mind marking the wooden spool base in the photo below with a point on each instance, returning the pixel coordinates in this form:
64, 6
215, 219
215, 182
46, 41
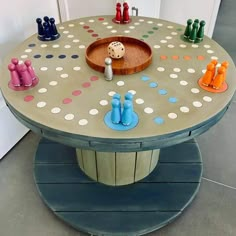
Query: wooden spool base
134, 209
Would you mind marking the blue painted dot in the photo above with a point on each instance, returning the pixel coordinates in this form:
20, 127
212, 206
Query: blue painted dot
159, 120
173, 100
49, 56
32, 45
162, 92
37, 56
75, 56
62, 56
145, 78
153, 85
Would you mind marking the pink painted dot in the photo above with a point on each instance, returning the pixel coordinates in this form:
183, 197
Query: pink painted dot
28, 98
100, 19
86, 84
95, 35
67, 100
90, 31
93, 78
76, 92
86, 27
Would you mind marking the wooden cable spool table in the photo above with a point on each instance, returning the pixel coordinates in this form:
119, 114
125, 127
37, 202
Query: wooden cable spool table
129, 181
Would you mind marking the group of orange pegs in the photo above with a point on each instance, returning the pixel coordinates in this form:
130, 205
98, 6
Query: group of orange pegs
209, 78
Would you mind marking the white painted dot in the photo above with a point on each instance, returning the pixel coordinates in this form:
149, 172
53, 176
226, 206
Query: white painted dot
28, 50
207, 99
207, 46
160, 69
176, 69
42, 90
172, 115
103, 102
81, 46
210, 51
93, 112
160, 24
150, 22
64, 76
191, 70
214, 58
43, 45
67, 46
55, 45
70, 36
141, 20
139, 101
65, 32
204, 71
55, 110
24, 56
183, 82
173, 76
69, 116
109, 27
197, 104
174, 33
184, 109
170, 27
81, 23
170, 46
41, 104
136, 23
168, 37
83, 122
76, 68
183, 45
120, 83
44, 68
195, 90
195, 45
59, 68
163, 41
105, 23
111, 93
53, 83
91, 21
127, 31
61, 27
132, 92
148, 110
156, 46
132, 27
71, 25
113, 31
75, 40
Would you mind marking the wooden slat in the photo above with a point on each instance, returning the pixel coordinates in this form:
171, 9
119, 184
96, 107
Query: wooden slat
155, 158
90, 163
79, 158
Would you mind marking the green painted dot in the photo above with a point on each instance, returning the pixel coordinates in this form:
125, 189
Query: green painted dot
150, 32
145, 36
155, 28
179, 29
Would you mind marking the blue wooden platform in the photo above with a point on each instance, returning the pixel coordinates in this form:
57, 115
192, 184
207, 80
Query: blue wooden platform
135, 209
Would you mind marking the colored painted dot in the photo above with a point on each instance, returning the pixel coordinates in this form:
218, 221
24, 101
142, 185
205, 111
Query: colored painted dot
148, 110
86, 85
145, 78
179, 29
197, 104
55, 110
111, 93
55, 45
139, 101
28, 98
75, 56
200, 58
67, 46
67, 101
76, 68
59, 68
175, 57
41, 104
156, 46
163, 57
172, 100
155, 28
62, 56
191, 71
101, 19
132, 92
76, 92
177, 70
103, 102
162, 92
150, 32
195, 90
160, 69
53, 83
120, 83
83, 122
153, 85
43, 45
184, 109
159, 120
90, 31
28, 50
95, 35
86, 27
207, 99
172, 115
42, 90
187, 58
145, 36
49, 56
93, 112
173, 76
31, 45
64, 76
44, 68
94, 78
69, 117
183, 82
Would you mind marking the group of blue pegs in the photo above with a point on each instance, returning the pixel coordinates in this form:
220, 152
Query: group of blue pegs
122, 116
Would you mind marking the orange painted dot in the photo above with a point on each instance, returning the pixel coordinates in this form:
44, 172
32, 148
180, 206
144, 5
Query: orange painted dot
187, 58
163, 57
200, 58
67, 100
175, 57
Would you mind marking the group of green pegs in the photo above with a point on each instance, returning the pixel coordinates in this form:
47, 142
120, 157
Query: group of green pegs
194, 31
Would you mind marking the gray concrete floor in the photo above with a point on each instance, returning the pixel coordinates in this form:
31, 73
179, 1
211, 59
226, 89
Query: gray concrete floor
213, 212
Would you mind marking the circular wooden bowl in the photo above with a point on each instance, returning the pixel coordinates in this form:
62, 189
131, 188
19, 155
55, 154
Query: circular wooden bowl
138, 55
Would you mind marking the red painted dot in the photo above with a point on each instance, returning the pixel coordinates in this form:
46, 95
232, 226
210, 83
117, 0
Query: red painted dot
67, 100
200, 58
94, 78
76, 92
90, 31
86, 27
95, 35
86, 84
163, 57
28, 98
100, 19
175, 57
187, 58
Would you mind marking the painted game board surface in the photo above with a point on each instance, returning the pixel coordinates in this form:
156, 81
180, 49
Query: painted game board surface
71, 98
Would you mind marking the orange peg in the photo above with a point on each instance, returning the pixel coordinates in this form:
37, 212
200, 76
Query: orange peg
209, 75
215, 62
225, 64
219, 79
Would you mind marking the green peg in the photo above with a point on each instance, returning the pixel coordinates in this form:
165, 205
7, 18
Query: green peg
188, 29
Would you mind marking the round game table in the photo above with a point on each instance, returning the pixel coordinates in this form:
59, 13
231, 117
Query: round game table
133, 180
